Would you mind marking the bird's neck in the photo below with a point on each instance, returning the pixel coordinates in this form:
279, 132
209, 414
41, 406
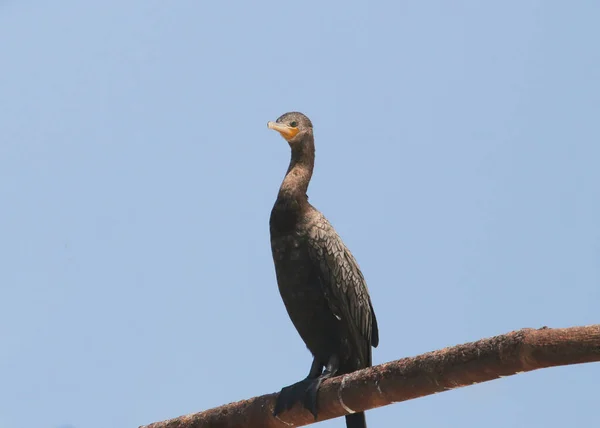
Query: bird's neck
299, 173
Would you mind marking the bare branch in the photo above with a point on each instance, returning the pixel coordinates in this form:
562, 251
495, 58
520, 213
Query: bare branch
408, 378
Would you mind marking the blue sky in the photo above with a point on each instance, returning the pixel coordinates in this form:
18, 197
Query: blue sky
457, 155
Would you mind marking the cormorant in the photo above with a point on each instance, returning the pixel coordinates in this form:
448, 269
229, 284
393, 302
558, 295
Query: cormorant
319, 280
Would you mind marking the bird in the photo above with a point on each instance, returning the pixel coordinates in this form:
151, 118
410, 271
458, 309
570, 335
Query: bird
321, 285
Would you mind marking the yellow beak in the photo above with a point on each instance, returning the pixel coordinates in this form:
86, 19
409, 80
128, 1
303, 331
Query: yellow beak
286, 131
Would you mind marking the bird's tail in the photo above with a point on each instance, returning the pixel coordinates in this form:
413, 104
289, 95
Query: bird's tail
356, 420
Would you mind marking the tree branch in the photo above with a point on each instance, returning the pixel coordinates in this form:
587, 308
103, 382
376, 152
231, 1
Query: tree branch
487, 359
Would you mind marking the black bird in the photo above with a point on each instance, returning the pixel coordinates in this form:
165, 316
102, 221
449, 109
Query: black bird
321, 285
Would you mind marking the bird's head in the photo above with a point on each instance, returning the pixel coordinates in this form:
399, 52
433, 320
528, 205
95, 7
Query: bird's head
294, 127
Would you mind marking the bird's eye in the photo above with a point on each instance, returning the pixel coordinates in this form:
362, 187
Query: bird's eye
294, 124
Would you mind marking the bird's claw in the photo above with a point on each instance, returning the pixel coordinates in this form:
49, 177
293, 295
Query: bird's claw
310, 396
305, 391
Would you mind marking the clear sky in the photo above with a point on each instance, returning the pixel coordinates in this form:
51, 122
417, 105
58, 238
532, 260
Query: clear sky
457, 156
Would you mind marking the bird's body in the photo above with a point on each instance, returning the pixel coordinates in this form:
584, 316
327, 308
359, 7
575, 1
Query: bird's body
309, 259
319, 280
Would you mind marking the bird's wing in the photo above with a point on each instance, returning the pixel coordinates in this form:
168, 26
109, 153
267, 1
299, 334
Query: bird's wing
343, 283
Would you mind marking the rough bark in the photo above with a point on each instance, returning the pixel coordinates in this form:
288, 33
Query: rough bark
487, 359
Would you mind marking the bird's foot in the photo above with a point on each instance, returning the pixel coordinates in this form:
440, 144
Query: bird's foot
310, 398
306, 391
